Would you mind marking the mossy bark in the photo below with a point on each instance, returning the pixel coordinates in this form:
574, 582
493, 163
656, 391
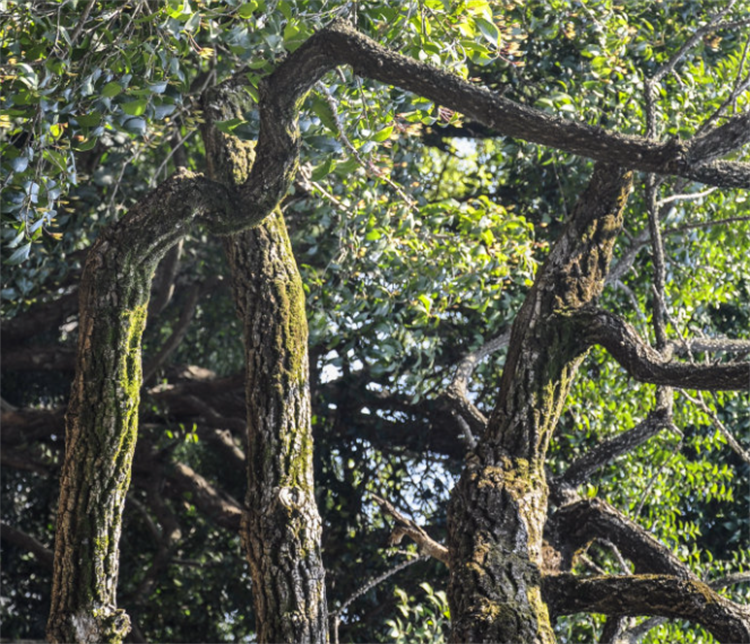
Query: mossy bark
499, 507
282, 530
102, 418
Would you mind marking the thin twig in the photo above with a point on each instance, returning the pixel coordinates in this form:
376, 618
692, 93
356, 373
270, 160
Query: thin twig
336, 615
712, 26
731, 440
368, 165
657, 248
684, 197
706, 224
407, 527
662, 467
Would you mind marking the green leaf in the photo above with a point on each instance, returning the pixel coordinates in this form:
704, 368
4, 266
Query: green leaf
57, 159
111, 89
246, 10
19, 164
135, 108
89, 120
324, 169
489, 31
323, 111
229, 125
135, 125
193, 23
86, 145
20, 255
382, 135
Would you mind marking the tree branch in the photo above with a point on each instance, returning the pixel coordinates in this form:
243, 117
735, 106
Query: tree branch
26, 541
39, 358
645, 364
336, 615
407, 527
731, 440
606, 451
634, 634
206, 497
38, 319
471, 420
163, 285
710, 345
277, 152
574, 525
178, 333
661, 595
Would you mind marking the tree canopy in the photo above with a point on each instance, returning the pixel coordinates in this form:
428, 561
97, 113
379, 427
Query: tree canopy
458, 168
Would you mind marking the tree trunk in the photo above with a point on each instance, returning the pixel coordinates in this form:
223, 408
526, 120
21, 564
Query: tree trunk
102, 418
282, 530
499, 507
281, 534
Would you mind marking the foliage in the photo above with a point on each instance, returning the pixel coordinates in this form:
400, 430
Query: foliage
426, 621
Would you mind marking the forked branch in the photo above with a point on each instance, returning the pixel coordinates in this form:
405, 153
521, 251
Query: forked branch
645, 364
660, 595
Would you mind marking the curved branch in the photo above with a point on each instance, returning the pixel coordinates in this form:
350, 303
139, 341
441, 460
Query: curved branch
645, 364
469, 362
470, 419
340, 44
661, 595
574, 525
164, 279
102, 418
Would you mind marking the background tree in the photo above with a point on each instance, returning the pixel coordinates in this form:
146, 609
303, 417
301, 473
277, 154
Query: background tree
396, 273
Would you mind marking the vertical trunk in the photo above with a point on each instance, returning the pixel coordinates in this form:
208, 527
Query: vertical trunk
281, 534
498, 509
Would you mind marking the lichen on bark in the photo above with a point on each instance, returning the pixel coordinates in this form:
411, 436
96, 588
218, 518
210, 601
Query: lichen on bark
499, 507
281, 531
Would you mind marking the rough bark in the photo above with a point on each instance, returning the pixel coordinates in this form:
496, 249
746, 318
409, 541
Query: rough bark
281, 531
102, 417
503, 493
577, 524
498, 509
662, 595
646, 364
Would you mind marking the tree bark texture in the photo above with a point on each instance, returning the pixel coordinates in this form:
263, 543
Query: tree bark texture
102, 417
499, 507
662, 595
282, 530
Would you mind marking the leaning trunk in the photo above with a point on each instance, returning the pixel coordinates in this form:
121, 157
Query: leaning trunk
498, 510
102, 418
